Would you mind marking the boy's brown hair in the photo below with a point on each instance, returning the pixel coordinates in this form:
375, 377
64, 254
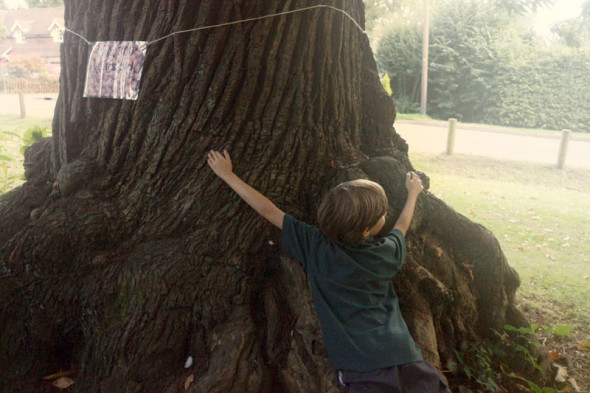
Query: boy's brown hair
348, 209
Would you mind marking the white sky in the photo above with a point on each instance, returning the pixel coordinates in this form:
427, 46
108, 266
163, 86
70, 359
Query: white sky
560, 11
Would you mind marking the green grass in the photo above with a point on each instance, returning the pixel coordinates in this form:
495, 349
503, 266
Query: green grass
12, 131
541, 217
411, 116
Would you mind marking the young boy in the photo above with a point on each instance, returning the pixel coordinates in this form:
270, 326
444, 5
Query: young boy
350, 274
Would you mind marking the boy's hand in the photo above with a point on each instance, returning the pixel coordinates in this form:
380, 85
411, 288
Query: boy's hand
414, 184
220, 163
414, 187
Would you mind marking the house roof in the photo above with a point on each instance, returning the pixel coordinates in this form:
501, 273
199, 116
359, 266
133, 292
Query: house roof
33, 22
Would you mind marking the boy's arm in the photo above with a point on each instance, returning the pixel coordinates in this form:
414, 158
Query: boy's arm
414, 186
220, 163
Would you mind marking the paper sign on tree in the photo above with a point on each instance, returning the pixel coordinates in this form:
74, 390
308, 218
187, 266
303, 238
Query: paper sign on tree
114, 69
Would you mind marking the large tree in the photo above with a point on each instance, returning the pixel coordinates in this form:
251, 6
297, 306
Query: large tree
123, 255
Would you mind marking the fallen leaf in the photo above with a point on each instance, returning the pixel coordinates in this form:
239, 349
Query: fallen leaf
511, 374
554, 355
57, 375
561, 375
189, 381
573, 382
63, 383
584, 346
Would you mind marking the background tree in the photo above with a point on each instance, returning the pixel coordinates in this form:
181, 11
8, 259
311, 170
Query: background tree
465, 41
124, 259
399, 55
26, 66
382, 14
575, 33
379, 9
487, 65
520, 6
45, 3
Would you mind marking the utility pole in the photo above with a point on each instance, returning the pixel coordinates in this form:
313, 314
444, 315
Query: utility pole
425, 35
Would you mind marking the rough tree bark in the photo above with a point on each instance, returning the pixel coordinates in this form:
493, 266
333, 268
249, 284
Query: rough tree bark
123, 254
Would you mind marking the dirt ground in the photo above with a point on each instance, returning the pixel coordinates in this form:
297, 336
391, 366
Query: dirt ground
571, 351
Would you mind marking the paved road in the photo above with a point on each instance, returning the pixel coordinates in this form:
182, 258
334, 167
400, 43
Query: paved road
422, 136
36, 105
431, 137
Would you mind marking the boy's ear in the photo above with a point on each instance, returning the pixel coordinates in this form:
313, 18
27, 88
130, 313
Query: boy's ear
366, 233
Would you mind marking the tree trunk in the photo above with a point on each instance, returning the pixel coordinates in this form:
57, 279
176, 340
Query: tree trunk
122, 255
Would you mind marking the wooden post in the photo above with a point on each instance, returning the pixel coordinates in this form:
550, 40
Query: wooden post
451, 136
565, 138
21, 100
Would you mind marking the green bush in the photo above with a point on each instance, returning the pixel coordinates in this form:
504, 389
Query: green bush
486, 67
404, 105
548, 90
399, 56
10, 163
32, 135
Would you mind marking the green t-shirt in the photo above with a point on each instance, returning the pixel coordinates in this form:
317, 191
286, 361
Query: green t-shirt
354, 297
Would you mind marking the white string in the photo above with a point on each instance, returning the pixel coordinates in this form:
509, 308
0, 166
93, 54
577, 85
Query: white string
73, 32
241, 21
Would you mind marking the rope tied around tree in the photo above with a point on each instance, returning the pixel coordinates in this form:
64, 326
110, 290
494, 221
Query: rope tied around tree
236, 22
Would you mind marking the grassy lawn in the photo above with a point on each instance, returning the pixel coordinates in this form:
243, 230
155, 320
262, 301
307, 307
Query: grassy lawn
541, 217
12, 130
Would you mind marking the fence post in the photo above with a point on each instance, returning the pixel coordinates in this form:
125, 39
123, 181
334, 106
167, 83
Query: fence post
21, 100
451, 136
565, 138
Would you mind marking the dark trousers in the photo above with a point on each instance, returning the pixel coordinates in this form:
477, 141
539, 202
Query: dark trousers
419, 377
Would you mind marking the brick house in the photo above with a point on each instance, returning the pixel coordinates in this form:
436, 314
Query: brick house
36, 31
